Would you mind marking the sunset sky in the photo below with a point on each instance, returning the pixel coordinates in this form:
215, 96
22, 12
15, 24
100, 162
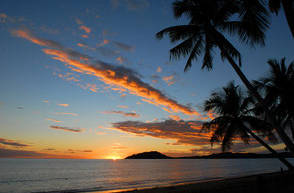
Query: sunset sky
88, 79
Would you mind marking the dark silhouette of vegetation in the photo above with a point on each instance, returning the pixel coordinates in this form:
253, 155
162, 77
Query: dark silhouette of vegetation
236, 121
209, 23
278, 91
223, 155
288, 7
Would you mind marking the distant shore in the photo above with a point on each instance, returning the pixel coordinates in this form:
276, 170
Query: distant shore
261, 183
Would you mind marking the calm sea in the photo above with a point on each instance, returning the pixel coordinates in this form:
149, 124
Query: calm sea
65, 175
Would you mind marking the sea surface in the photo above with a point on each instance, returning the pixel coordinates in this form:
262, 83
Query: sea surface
66, 175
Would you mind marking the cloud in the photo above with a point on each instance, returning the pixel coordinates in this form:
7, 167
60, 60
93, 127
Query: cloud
54, 120
87, 151
28, 35
126, 114
12, 143
63, 105
123, 46
78, 21
174, 117
118, 146
85, 28
184, 132
158, 69
3, 17
109, 74
9, 153
63, 113
107, 52
122, 106
76, 130
49, 149
121, 60
169, 79
84, 36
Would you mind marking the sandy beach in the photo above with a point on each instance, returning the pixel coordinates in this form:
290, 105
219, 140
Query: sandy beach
277, 182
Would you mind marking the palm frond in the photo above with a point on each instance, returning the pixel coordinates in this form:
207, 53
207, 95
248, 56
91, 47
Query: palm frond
274, 6
180, 32
198, 47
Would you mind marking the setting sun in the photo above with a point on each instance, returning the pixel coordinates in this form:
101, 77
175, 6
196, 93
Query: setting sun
113, 157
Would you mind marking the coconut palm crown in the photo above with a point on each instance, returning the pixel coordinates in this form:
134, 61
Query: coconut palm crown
233, 117
210, 21
235, 120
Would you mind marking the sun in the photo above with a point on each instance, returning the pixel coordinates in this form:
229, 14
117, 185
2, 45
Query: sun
113, 157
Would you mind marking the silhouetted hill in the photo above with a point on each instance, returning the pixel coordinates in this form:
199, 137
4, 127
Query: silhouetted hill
226, 155
148, 155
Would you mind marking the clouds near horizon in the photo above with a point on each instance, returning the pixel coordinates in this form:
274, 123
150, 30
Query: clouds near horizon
12, 143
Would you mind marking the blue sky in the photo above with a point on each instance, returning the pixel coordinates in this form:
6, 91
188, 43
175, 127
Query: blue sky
119, 33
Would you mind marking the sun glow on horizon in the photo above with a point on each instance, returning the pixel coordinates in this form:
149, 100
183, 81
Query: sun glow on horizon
113, 157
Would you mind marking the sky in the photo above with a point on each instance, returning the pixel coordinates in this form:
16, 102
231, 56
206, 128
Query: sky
88, 79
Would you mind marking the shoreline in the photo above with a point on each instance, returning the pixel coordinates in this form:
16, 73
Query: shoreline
272, 182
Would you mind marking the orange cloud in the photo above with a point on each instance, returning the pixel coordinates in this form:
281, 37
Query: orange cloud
174, 117
126, 114
63, 105
54, 120
84, 36
122, 106
120, 59
110, 74
76, 130
62, 113
169, 79
158, 69
85, 28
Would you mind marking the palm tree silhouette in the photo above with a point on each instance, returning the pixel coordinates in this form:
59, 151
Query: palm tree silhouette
288, 6
209, 23
235, 120
278, 88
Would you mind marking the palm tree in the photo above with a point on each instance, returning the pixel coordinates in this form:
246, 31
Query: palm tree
288, 6
278, 88
234, 120
209, 23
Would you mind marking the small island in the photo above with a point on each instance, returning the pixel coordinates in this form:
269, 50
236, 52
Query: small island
149, 155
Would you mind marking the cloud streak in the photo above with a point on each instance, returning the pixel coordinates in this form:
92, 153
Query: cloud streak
54, 120
75, 130
63, 105
126, 114
12, 143
109, 74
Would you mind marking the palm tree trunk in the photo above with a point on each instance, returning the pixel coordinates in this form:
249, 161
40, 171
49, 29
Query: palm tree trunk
283, 160
288, 6
281, 132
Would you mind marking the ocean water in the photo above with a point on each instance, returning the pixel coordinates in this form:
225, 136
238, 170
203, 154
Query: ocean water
66, 175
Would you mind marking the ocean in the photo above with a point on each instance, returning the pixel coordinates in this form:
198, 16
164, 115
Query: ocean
74, 175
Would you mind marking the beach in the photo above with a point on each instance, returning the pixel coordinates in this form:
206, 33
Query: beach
281, 182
